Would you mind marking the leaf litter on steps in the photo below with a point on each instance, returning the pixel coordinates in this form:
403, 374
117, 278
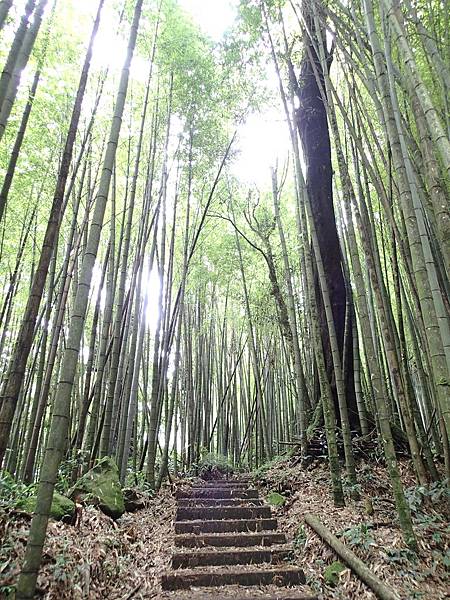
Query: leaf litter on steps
125, 559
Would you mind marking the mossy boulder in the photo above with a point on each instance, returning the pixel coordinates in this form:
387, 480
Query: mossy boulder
62, 507
275, 499
101, 487
332, 572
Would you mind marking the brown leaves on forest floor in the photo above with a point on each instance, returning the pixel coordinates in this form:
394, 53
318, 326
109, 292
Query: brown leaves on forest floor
375, 538
103, 559
100, 558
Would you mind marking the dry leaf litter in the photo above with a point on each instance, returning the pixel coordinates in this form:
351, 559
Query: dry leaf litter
383, 550
124, 560
98, 559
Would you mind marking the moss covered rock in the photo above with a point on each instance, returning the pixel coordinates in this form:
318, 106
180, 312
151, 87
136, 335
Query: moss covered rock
275, 499
332, 572
101, 487
62, 507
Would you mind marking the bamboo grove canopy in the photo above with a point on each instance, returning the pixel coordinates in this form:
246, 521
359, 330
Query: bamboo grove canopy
166, 294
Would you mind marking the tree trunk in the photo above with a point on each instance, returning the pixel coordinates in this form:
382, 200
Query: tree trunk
312, 124
60, 419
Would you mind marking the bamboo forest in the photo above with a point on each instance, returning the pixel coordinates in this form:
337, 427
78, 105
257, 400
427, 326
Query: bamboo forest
224, 299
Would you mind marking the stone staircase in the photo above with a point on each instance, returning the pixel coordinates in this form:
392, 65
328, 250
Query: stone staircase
227, 538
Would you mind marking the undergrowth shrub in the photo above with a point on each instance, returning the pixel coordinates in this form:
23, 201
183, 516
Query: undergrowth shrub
12, 491
262, 470
213, 465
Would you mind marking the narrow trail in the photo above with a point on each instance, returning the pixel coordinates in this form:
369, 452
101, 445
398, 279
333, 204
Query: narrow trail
227, 538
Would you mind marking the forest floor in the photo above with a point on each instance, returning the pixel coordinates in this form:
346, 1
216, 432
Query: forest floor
100, 558
121, 560
369, 526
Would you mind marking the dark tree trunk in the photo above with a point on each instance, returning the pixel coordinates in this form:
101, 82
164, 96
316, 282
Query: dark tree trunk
312, 123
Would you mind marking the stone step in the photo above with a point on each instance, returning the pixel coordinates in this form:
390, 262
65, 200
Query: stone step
202, 526
235, 593
280, 576
219, 501
222, 483
187, 513
233, 479
230, 539
217, 493
189, 560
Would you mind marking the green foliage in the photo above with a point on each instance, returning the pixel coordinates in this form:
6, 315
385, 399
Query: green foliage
13, 492
7, 590
446, 558
138, 480
18, 496
264, 468
359, 535
60, 571
406, 563
436, 493
352, 489
251, 18
213, 463
300, 538
402, 556
66, 470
